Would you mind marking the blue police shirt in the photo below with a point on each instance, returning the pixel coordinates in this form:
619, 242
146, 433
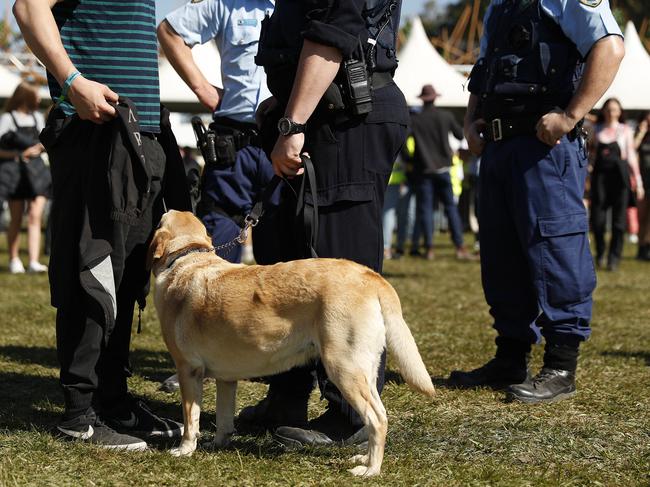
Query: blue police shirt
235, 25
584, 22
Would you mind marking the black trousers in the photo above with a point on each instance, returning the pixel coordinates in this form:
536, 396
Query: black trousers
353, 161
93, 325
609, 190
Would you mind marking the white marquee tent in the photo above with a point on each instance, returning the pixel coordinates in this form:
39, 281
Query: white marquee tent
8, 82
631, 85
420, 64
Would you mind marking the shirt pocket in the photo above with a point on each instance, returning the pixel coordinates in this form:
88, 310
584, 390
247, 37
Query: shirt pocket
243, 28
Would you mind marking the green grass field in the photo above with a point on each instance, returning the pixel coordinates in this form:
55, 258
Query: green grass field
601, 437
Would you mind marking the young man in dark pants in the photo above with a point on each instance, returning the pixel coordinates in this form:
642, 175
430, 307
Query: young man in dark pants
108, 169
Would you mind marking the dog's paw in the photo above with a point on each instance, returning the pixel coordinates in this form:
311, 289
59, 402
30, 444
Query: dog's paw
362, 459
182, 451
363, 471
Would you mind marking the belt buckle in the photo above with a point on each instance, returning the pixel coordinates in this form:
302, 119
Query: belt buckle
497, 133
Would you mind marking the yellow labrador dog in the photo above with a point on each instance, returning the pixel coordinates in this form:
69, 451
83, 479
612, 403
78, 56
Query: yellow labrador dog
233, 321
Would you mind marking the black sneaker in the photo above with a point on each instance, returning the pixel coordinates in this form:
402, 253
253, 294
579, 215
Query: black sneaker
498, 373
271, 412
89, 428
329, 429
550, 385
134, 417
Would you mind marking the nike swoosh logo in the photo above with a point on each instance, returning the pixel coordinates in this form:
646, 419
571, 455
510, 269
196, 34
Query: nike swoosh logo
81, 435
131, 422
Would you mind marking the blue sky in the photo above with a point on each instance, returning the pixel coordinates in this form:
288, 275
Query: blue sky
409, 7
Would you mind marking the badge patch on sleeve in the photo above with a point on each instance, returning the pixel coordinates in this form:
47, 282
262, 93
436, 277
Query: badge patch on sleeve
588, 3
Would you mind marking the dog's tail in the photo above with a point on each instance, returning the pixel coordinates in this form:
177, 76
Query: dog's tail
401, 343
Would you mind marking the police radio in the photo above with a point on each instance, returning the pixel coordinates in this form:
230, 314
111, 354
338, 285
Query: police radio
357, 86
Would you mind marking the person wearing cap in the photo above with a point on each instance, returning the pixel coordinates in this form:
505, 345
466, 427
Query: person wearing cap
432, 162
543, 65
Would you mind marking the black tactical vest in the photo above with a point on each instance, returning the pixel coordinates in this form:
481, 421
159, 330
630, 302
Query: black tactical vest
281, 39
529, 66
382, 21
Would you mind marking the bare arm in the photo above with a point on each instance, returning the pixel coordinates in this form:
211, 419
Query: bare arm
179, 55
600, 69
640, 135
633, 162
316, 70
41, 34
472, 127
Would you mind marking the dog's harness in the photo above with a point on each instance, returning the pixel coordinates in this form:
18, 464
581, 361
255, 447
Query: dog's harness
187, 252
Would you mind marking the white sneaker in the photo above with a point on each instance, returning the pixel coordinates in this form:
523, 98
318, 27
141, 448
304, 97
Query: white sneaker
36, 267
16, 266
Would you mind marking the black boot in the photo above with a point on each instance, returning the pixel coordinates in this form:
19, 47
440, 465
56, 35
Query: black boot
644, 252
329, 429
556, 380
274, 410
550, 385
509, 366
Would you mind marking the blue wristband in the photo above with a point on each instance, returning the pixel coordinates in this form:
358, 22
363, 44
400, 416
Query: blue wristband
66, 85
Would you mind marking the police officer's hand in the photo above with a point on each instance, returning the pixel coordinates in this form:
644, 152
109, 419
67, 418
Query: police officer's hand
209, 96
475, 142
286, 155
553, 126
90, 99
264, 109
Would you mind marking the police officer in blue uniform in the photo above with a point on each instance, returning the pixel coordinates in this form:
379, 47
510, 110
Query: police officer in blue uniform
543, 65
232, 183
329, 66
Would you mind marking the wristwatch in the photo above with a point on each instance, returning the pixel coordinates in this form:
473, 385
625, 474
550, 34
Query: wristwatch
286, 126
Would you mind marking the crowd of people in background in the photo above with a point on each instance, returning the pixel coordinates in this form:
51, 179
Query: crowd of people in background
619, 179
420, 201
24, 177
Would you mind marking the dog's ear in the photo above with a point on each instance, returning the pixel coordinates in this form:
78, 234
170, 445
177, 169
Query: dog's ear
157, 246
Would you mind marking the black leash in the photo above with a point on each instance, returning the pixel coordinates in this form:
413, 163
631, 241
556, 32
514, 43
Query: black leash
309, 212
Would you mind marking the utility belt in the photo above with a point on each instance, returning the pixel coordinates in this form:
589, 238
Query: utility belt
222, 140
503, 128
349, 95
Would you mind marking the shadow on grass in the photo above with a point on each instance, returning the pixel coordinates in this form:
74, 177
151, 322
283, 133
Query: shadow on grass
27, 401
644, 355
152, 365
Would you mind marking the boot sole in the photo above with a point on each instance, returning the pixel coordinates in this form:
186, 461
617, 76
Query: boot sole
510, 397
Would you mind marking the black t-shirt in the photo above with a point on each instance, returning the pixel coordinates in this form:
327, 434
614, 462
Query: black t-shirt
431, 128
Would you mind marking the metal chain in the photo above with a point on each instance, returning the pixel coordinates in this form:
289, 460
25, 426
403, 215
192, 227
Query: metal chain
239, 239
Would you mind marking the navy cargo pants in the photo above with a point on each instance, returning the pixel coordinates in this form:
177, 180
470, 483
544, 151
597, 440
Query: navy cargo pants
234, 190
537, 269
